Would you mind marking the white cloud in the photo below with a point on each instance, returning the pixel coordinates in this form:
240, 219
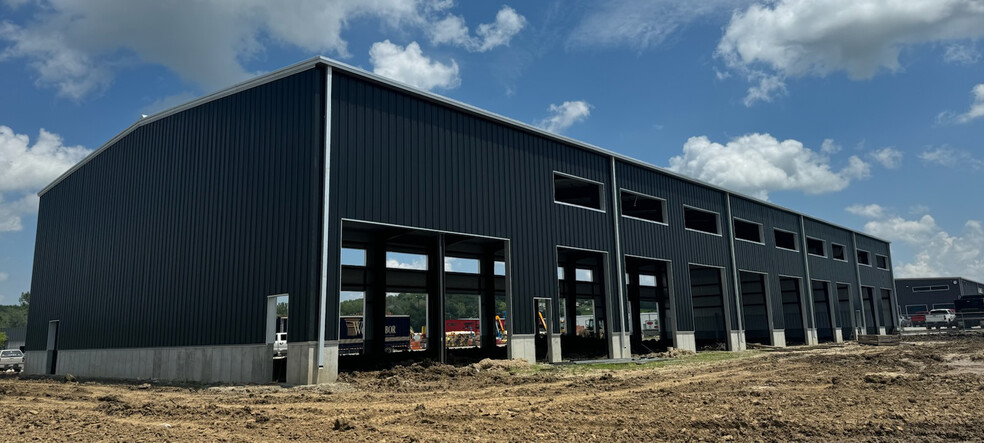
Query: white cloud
962, 54
26, 168
770, 42
869, 211
976, 109
4, 276
951, 158
641, 24
452, 30
938, 253
563, 116
76, 47
890, 158
829, 147
919, 209
410, 66
757, 164
419, 265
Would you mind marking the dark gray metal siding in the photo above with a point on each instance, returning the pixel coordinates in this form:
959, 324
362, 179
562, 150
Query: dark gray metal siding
176, 235
671, 241
827, 268
906, 296
767, 258
878, 278
404, 160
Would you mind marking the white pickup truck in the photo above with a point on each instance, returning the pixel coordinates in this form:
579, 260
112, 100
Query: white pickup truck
11, 359
941, 318
280, 345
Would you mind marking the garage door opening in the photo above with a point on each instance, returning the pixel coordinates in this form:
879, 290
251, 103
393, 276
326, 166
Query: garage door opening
792, 311
647, 287
707, 293
822, 311
754, 302
581, 295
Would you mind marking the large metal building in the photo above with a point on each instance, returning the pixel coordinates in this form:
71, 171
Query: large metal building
919, 295
162, 254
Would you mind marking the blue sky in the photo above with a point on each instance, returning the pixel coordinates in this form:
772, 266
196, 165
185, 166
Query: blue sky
866, 113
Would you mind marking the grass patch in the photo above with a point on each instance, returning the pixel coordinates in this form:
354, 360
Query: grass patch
699, 358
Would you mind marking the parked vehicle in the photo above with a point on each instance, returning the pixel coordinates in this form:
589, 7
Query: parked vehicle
280, 345
351, 334
970, 311
918, 319
11, 359
941, 318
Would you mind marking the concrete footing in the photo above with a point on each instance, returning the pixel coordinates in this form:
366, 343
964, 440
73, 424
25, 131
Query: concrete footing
618, 348
838, 335
881, 330
522, 346
811, 337
553, 349
202, 364
779, 338
685, 340
303, 367
736, 341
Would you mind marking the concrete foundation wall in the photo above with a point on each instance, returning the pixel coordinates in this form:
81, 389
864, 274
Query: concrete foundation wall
811, 337
838, 335
523, 346
202, 364
685, 340
736, 341
779, 338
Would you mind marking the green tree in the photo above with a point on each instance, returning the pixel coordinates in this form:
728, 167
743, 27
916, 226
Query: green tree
3, 340
25, 298
282, 309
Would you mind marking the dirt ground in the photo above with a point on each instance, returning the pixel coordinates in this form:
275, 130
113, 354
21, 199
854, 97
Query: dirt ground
926, 389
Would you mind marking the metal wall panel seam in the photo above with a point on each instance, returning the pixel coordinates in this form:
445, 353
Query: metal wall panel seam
735, 281
857, 273
325, 221
810, 317
616, 209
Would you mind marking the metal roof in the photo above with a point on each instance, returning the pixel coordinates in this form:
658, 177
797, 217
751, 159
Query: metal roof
349, 69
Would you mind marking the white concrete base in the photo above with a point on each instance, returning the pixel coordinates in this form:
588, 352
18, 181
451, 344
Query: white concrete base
617, 348
302, 363
736, 341
522, 346
685, 340
881, 330
553, 349
811, 337
779, 338
838, 335
202, 364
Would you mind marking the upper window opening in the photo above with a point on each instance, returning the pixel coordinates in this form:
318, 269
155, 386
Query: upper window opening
353, 257
641, 206
401, 260
930, 288
583, 275
837, 252
815, 247
647, 280
748, 231
698, 220
462, 265
881, 261
499, 268
578, 192
864, 258
785, 240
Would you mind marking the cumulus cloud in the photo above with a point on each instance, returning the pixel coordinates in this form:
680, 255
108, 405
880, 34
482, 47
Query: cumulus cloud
4, 276
26, 168
890, 158
951, 158
757, 164
76, 47
768, 43
409, 65
976, 109
563, 116
869, 211
938, 253
829, 147
641, 24
452, 30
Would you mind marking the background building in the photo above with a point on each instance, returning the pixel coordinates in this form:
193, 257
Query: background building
917, 295
360, 200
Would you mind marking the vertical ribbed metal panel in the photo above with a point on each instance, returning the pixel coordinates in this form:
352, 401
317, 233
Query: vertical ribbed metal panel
671, 241
404, 160
875, 277
767, 258
827, 268
176, 234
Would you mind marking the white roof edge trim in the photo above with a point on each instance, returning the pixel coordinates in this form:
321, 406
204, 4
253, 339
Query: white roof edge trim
343, 67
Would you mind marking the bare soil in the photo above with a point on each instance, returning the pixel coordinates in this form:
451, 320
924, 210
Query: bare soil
926, 389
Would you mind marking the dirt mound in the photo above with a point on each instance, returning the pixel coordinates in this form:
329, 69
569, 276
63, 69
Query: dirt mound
489, 364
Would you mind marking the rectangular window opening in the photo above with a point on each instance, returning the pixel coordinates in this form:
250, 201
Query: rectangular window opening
864, 258
461, 265
930, 288
785, 239
748, 231
881, 261
402, 260
584, 275
353, 257
578, 192
837, 252
644, 207
699, 220
815, 247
